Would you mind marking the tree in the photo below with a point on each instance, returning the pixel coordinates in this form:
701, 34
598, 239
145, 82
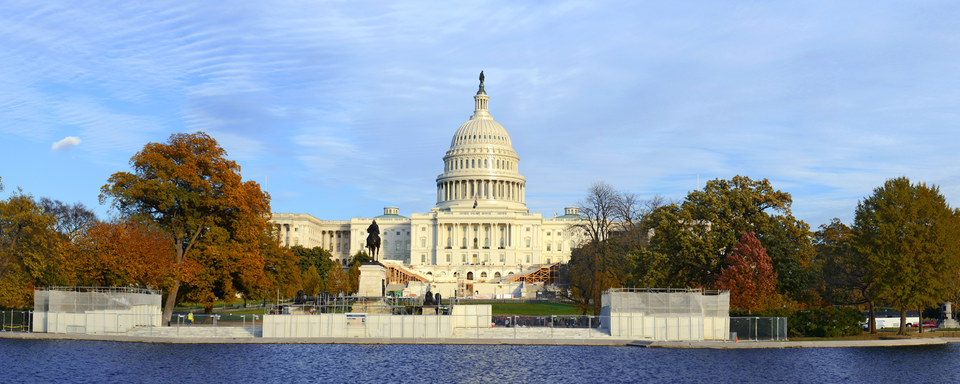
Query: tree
353, 273
122, 252
30, 250
215, 221
749, 276
909, 235
71, 220
613, 227
843, 270
337, 281
692, 240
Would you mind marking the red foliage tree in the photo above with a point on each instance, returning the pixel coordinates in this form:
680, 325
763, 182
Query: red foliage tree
749, 275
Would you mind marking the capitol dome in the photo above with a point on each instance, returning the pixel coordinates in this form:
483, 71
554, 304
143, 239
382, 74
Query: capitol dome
481, 167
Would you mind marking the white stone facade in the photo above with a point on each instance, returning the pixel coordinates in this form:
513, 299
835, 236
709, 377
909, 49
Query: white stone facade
480, 229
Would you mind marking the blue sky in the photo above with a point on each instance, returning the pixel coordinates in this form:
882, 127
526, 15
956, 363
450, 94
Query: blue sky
341, 108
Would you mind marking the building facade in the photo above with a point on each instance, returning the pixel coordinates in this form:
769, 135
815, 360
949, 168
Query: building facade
480, 228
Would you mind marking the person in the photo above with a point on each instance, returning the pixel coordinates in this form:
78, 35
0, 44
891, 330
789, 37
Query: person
190, 317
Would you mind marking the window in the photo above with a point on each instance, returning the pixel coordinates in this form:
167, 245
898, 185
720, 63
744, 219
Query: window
528, 258
548, 233
486, 258
548, 261
503, 258
572, 244
548, 247
429, 273
448, 258
338, 247
423, 241
398, 245
528, 243
463, 257
423, 258
496, 275
559, 246
469, 275
486, 164
408, 245
483, 275
398, 233
528, 229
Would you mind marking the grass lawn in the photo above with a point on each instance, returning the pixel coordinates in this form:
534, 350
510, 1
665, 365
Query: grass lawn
534, 309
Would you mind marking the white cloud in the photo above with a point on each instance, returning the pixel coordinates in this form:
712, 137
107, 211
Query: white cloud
65, 144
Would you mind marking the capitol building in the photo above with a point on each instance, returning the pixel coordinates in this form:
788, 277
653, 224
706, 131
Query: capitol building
480, 229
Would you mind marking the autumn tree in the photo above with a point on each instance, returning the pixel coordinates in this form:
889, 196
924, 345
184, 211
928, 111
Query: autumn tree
691, 240
214, 219
337, 281
122, 252
30, 250
749, 276
353, 271
909, 236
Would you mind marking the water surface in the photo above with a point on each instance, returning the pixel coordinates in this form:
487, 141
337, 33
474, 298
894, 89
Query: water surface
104, 361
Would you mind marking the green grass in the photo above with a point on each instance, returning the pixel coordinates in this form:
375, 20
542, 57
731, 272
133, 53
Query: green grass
534, 309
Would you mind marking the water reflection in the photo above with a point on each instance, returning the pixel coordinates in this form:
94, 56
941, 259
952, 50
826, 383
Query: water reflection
97, 361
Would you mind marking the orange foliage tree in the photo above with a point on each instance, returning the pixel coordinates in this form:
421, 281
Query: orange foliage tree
749, 275
214, 219
122, 252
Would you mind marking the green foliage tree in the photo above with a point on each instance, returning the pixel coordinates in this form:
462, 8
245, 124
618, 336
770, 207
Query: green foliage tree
844, 272
909, 236
216, 221
691, 241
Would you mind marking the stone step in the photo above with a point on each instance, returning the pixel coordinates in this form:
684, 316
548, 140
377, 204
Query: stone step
197, 331
529, 333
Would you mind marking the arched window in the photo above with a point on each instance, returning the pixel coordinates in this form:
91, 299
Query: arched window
429, 273
496, 275
483, 275
469, 275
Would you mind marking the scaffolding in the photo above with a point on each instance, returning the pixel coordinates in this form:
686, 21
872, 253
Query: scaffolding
668, 301
86, 299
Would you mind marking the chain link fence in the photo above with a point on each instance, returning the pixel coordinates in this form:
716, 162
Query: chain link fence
759, 328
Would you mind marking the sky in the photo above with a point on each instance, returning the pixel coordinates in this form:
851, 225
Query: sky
340, 108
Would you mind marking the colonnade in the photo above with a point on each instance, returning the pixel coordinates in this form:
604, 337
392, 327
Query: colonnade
503, 190
475, 236
335, 241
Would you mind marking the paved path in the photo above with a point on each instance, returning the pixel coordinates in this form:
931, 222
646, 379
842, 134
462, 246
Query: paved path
506, 336
790, 344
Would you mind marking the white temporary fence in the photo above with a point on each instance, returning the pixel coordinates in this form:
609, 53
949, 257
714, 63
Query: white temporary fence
668, 328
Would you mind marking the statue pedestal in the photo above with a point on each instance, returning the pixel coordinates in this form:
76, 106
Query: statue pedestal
373, 280
948, 320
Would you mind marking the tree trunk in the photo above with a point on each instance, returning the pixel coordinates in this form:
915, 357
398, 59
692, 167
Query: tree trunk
920, 319
171, 300
903, 321
873, 317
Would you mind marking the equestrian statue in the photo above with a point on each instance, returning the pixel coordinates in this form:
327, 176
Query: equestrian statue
373, 241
